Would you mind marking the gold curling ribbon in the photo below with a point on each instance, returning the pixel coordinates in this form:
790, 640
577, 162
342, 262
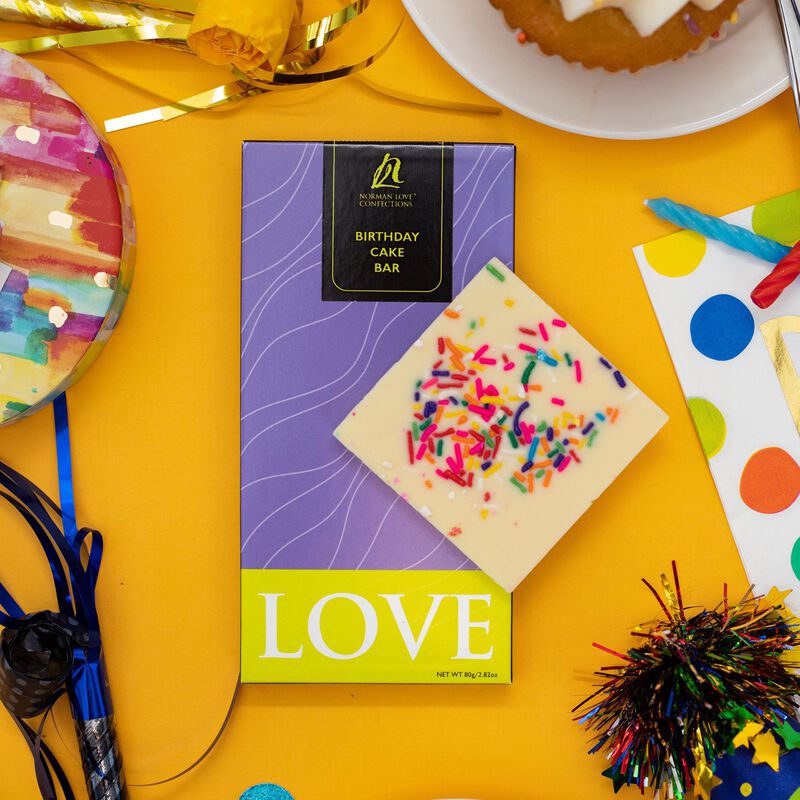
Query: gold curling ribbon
116, 76
319, 33
170, 22
219, 95
260, 80
267, 80
296, 40
432, 102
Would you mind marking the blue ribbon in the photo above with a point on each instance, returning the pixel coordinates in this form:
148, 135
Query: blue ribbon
88, 686
74, 556
88, 690
66, 491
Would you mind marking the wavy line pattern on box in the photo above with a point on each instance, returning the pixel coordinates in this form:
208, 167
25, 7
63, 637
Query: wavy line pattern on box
304, 503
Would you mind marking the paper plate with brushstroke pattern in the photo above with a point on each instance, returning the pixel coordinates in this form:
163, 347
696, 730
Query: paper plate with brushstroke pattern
66, 243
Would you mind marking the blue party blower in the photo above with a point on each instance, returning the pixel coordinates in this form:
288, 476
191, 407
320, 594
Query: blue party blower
49, 653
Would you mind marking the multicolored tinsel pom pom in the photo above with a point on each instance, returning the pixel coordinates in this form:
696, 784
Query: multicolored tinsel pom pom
699, 682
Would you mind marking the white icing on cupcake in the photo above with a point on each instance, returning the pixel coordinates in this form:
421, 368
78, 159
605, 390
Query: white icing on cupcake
647, 16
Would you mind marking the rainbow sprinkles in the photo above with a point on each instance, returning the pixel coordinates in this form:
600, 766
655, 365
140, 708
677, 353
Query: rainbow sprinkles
500, 424
468, 429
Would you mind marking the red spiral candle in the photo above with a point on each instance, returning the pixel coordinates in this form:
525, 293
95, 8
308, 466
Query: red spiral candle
782, 275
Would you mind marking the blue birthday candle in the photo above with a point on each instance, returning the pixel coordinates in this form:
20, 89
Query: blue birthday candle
715, 228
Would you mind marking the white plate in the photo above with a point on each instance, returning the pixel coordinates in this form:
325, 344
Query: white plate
732, 77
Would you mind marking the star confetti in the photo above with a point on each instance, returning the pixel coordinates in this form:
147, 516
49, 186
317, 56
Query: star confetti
616, 776
767, 750
789, 735
747, 734
704, 781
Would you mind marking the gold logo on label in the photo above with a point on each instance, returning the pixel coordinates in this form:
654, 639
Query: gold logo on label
387, 176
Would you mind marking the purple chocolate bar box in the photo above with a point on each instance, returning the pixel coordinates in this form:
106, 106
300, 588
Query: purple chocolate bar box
306, 502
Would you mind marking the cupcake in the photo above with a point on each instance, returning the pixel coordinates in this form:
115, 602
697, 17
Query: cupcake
617, 34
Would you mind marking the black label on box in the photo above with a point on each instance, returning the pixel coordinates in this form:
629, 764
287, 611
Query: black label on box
387, 222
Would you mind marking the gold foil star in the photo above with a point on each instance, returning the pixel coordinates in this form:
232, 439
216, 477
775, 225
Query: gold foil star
777, 598
767, 750
704, 781
746, 734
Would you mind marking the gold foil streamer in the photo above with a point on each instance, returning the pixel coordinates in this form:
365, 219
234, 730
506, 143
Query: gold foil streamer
88, 14
137, 33
167, 22
267, 80
773, 333
82, 14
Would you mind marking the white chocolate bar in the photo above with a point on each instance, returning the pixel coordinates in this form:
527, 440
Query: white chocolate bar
501, 424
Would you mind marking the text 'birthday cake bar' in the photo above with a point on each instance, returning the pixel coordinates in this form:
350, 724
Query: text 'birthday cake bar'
500, 425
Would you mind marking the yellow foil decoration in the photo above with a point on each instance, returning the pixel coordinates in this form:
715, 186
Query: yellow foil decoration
136, 33
263, 42
246, 34
773, 333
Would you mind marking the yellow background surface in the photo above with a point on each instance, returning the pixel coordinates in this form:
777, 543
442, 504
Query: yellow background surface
155, 440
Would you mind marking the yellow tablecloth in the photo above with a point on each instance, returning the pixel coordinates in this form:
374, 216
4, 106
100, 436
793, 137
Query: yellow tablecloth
155, 439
